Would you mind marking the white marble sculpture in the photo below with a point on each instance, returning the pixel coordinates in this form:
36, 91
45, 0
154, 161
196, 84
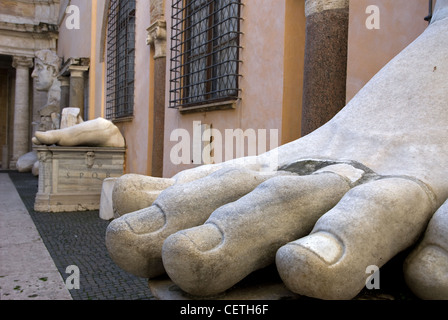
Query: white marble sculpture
47, 65
352, 194
98, 132
70, 117
46, 68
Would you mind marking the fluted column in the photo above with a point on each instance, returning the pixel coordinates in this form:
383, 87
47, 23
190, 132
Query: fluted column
21, 108
325, 70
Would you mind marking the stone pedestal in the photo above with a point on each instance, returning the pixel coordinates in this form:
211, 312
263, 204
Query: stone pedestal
71, 178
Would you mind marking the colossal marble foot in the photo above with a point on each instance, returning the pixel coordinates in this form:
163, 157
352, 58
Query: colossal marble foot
243, 236
426, 268
94, 133
395, 126
370, 225
134, 241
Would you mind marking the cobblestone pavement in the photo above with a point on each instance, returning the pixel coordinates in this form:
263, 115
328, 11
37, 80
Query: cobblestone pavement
77, 238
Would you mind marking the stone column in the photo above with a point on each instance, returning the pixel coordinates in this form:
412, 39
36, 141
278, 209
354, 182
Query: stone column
22, 123
65, 91
157, 39
325, 70
76, 97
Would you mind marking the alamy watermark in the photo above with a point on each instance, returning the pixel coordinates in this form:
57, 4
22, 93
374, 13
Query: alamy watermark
373, 280
72, 281
373, 20
207, 145
72, 21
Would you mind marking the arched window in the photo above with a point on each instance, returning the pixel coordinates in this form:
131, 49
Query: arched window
120, 59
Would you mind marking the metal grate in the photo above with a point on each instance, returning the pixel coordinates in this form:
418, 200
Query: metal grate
205, 44
120, 59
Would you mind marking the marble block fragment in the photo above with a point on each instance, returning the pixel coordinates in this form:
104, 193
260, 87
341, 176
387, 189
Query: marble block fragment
106, 207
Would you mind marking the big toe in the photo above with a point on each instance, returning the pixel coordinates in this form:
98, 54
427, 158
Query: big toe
195, 261
135, 244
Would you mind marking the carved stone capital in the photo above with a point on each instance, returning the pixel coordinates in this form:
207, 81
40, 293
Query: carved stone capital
22, 62
74, 65
157, 38
77, 71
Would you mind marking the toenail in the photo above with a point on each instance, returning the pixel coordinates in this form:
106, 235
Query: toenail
325, 245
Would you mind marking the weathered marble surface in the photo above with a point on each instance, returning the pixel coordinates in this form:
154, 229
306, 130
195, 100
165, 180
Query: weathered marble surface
132, 192
47, 65
426, 268
70, 117
380, 165
106, 211
46, 68
92, 133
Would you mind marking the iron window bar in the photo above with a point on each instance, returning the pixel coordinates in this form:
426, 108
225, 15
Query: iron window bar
120, 59
205, 45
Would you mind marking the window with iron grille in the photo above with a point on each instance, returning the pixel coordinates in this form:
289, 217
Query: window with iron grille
205, 44
120, 59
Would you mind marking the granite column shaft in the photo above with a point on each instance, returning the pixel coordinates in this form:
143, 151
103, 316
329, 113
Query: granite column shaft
325, 71
157, 39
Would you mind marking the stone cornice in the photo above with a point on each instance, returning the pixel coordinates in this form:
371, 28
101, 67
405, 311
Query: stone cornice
22, 43
25, 27
74, 64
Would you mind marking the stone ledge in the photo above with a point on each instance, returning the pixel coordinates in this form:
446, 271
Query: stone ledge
264, 284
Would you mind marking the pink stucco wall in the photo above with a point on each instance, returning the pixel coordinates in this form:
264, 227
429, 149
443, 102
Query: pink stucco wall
401, 21
137, 131
76, 42
262, 72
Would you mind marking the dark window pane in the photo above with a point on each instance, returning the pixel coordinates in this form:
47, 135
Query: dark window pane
205, 47
120, 59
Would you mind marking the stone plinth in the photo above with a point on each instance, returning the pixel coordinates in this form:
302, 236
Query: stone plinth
264, 284
71, 178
